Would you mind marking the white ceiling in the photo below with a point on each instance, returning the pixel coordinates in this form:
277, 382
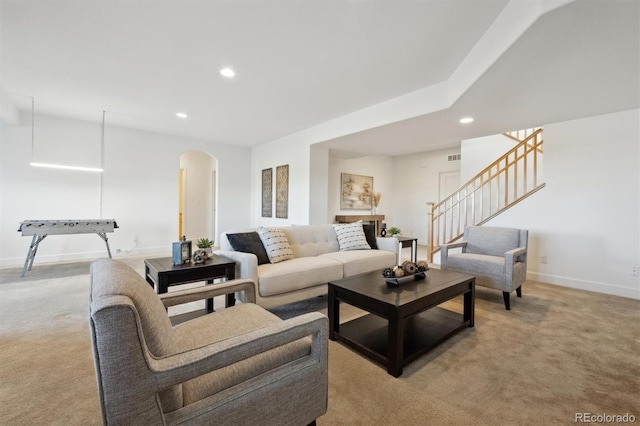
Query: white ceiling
303, 63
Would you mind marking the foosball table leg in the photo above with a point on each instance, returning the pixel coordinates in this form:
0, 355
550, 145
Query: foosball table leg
33, 249
103, 235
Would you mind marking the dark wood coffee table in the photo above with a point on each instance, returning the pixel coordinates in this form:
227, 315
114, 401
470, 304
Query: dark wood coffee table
404, 322
162, 273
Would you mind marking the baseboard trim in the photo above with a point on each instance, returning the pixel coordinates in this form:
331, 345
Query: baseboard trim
597, 287
71, 257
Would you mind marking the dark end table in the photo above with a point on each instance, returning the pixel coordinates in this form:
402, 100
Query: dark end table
404, 322
407, 242
161, 273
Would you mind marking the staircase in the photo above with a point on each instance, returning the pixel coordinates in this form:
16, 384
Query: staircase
504, 183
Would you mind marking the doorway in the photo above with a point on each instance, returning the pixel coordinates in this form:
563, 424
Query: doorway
449, 183
197, 209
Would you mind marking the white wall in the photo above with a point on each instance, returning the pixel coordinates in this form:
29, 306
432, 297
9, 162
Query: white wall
272, 155
586, 219
416, 182
480, 152
140, 187
406, 184
319, 185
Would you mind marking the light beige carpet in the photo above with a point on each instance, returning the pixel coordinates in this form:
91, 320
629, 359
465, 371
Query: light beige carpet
558, 352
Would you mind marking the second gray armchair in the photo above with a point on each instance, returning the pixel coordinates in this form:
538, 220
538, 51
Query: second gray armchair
496, 256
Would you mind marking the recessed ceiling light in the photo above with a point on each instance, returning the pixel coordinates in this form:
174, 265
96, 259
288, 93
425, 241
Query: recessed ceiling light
227, 72
181, 115
466, 120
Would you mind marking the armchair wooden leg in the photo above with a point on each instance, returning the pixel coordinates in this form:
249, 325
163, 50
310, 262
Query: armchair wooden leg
519, 291
505, 296
313, 423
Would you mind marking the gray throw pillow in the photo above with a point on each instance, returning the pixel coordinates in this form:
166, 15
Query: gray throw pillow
249, 242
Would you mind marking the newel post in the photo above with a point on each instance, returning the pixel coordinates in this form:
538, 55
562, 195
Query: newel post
430, 205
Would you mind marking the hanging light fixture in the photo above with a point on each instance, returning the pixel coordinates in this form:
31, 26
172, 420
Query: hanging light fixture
62, 166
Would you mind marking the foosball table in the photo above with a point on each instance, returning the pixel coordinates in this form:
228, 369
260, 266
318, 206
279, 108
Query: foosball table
40, 229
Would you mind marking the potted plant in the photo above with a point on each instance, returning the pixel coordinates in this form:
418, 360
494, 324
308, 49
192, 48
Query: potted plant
205, 244
393, 231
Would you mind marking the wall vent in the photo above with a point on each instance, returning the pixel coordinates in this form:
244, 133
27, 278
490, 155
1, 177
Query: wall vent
455, 157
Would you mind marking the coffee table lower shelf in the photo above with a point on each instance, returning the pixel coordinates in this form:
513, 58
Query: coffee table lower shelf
369, 334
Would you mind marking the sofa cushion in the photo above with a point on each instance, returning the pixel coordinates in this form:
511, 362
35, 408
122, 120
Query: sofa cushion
249, 242
276, 244
351, 236
311, 240
360, 261
477, 264
370, 234
296, 274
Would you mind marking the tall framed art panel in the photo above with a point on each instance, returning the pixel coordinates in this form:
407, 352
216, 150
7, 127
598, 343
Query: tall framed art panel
282, 191
267, 193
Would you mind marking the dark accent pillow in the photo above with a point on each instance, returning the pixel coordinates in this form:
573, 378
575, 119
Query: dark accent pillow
249, 242
370, 234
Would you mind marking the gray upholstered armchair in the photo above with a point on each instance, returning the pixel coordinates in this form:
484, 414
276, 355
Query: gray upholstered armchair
240, 365
496, 256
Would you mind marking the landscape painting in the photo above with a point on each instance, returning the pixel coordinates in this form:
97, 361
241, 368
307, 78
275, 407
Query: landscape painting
356, 192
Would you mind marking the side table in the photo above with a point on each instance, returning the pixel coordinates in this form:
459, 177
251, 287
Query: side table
161, 273
376, 219
408, 242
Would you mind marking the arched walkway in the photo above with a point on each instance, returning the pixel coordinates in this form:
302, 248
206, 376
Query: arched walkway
198, 201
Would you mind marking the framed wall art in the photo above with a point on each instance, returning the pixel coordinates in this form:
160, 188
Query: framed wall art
356, 192
282, 191
267, 192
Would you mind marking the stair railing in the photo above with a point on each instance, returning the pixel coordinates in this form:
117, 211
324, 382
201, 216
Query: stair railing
508, 180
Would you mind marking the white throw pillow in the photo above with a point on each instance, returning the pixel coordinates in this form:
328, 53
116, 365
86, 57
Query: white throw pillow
276, 244
351, 236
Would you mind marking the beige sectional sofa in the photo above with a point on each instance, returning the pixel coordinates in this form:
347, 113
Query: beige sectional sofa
316, 259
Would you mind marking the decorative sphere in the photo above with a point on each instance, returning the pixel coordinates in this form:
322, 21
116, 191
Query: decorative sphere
388, 273
409, 268
422, 266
